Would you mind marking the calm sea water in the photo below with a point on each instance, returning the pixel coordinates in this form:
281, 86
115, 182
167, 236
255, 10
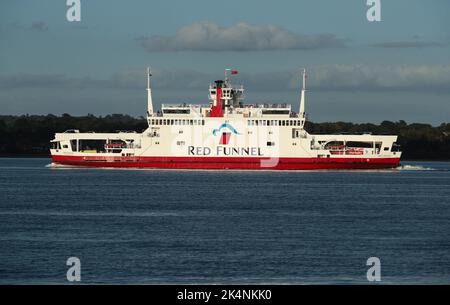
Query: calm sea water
162, 226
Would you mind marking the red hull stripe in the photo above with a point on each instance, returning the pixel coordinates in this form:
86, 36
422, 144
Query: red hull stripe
229, 162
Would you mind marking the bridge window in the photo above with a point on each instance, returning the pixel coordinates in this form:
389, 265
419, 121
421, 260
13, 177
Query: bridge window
275, 111
176, 111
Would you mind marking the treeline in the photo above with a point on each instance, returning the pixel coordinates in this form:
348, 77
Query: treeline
30, 134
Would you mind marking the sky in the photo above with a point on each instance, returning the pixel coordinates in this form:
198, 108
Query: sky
359, 71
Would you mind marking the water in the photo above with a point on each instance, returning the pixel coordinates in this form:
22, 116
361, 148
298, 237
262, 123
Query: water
162, 226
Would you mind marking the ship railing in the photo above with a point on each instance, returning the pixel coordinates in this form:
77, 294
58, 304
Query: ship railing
183, 105
110, 147
266, 105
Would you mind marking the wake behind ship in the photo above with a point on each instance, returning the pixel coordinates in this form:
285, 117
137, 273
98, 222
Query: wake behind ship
226, 134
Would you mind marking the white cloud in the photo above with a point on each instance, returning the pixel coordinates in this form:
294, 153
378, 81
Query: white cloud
28, 80
409, 44
383, 77
208, 36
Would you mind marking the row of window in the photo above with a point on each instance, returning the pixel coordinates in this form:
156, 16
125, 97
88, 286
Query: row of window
274, 123
176, 111
176, 122
154, 122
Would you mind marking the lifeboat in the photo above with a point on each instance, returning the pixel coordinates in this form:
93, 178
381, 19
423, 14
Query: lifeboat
355, 151
337, 149
114, 145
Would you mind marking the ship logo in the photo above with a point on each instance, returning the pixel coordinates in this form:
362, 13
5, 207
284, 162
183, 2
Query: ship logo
225, 136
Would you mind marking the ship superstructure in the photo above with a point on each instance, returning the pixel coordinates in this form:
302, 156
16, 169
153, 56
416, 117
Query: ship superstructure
226, 134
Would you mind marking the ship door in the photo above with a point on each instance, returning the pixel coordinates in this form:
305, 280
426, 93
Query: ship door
297, 133
154, 135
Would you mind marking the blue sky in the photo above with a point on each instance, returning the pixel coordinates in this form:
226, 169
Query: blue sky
396, 69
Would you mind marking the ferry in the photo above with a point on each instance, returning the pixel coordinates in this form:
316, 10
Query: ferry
226, 134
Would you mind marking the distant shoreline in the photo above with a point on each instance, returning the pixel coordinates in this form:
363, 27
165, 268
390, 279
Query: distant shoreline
31, 156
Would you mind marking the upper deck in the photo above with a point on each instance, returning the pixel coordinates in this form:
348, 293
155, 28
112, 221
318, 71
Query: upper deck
225, 100
264, 110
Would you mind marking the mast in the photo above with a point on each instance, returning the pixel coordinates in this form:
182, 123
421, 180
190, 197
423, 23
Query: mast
149, 94
226, 75
301, 113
